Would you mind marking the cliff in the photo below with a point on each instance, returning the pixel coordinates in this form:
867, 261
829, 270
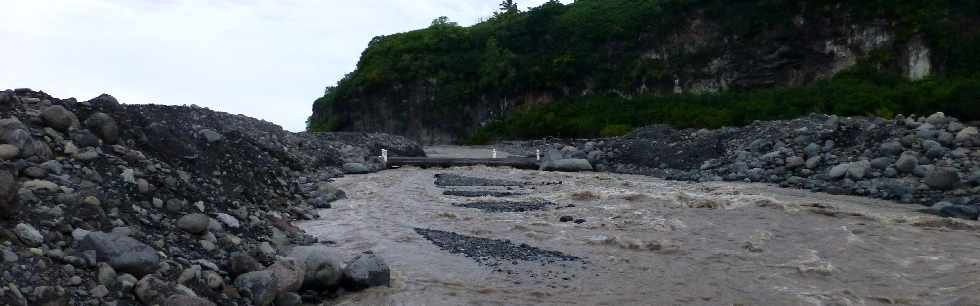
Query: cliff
443, 83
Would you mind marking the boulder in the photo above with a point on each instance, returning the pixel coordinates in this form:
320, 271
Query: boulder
187, 300
196, 224
838, 172
151, 290
567, 165
84, 138
260, 286
228, 220
290, 273
241, 263
28, 235
857, 170
211, 136
881, 163
123, 253
907, 162
365, 271
943, 178
8, 151
59, 118
103, 126
8, 194
322, 266
794, 162
969, 136
356, 168
890, 148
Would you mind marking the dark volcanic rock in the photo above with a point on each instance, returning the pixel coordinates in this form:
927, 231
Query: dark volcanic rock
497, 207
489, 251
365, 271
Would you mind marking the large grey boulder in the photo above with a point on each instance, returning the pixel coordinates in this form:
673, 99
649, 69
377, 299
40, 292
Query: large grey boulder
327, 193
260, 286
356, 168
102, 125
567, 165
907, 162
59, 118
943, 178
969, 136
196, 224
322, 266
857, 170
123, 253
151, 290
241, 263
365, 271
838, 172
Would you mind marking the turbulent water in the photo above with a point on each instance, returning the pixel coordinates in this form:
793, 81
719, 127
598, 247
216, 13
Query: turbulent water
645, 241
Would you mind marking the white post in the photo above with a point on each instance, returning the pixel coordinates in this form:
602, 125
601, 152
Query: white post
384, 156
537, 153
493, 153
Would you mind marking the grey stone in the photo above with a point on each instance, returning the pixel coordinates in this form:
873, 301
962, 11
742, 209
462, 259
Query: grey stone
211, 136
103, 126
891, 148
35, 172
186, 300
813, 162
106, 275
365, 271
289, 273
907, 162
794, 162
356, 168
322, 266
969, 136
8, 194
59, 118
241, 263
151, 290
29, 235
838, 172
260, 286
812, 150
84, 138
194, 223
567, 165
99, 291
228, 220
858, 170
943, 178
881, 163
289, 299
122, 253
8, 151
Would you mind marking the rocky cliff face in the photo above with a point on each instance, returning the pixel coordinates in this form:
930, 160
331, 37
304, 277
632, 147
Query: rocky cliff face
699, 55
106, 203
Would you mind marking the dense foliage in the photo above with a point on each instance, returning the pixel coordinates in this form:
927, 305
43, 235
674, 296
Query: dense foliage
597, 44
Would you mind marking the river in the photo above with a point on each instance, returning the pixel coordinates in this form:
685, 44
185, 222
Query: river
635, 240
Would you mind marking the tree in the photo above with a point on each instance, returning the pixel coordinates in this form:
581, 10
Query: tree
508, 7
443, 21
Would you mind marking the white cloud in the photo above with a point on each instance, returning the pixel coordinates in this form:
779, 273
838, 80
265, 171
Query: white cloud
265, 59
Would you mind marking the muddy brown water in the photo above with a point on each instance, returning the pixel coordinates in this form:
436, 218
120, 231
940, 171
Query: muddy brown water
653, 242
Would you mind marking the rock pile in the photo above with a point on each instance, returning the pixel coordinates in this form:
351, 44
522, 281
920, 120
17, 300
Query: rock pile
109, 204
932, 160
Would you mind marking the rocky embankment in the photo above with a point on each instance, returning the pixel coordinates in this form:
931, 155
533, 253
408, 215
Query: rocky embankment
109, 204
933, 161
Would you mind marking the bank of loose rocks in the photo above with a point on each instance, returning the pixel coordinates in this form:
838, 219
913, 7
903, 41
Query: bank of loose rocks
931, 160
103, 203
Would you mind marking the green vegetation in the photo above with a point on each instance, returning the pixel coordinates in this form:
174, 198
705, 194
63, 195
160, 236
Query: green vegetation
849, 94
599, 44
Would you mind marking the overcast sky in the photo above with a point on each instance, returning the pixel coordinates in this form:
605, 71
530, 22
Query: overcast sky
265, 59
